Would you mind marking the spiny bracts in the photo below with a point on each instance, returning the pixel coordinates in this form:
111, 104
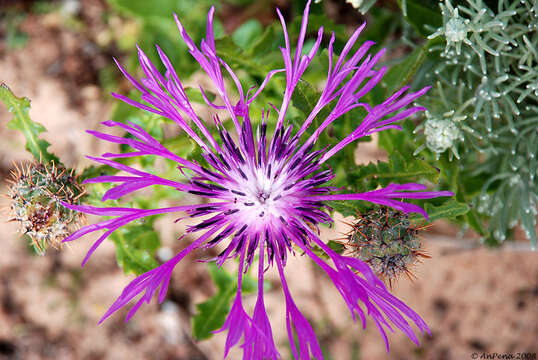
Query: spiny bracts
36, 192
387, 241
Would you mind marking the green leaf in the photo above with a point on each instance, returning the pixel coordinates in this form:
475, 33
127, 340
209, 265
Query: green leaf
21, 121
212, 312
267, 42
362, 177
402, 171
235, 56
247, 33
335, 246
450, 209
135, 247
473, 219
386, 23
181, 145
305, 97
123, 111
397, 170
95, 171
351, 207
401, 74
420, 13
195, 95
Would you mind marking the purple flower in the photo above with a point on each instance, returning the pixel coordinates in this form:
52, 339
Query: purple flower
266, 192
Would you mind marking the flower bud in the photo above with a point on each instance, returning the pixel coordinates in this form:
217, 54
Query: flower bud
36, 192
387, 241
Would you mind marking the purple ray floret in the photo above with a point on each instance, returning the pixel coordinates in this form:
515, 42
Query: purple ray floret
267, 191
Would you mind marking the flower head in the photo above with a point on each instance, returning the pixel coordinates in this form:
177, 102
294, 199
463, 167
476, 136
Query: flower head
36, 194
387, 241
267, 191
440, 134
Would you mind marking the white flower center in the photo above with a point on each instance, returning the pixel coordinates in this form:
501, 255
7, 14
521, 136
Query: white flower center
456, 30
440, 134
262, 196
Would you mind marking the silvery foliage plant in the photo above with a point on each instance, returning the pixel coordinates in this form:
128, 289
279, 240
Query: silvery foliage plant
483, 110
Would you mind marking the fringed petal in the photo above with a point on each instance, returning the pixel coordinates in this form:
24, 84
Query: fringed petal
385, 196
150, 281
308, 344
259, 343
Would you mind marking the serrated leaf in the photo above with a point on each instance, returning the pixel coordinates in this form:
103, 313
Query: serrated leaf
305, 97
21, 121
212, 314
397, 170
448, 210
421, 169
135, 247
402, 141
196, 154
397, 161
362, 178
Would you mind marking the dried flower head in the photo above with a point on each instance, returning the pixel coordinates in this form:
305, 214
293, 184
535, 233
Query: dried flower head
36, 193
387, 241
266, 190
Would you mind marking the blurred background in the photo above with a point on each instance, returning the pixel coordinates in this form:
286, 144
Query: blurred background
59, 54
